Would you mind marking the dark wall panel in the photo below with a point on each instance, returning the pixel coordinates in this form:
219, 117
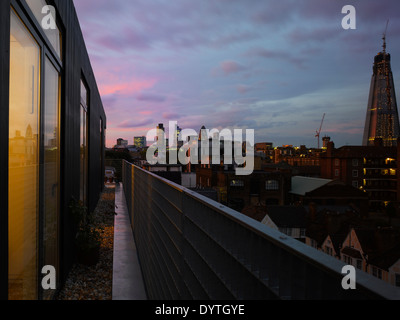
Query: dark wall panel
77, 65
4, 96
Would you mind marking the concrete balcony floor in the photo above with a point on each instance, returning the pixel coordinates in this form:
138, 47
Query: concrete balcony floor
127, 275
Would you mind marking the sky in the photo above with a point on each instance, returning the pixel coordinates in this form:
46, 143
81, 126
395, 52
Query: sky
272, 66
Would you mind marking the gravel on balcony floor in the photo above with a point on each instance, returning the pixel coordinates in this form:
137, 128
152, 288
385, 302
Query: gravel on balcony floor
95, 282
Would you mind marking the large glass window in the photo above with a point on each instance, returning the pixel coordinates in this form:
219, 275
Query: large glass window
84, 145
51, 167
23, 199
54, 35
34, 163
101, 147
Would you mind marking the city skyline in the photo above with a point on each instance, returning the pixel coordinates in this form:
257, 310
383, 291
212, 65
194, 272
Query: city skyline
272, 67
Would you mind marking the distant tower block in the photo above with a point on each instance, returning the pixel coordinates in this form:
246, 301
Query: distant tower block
382, 119
325, 141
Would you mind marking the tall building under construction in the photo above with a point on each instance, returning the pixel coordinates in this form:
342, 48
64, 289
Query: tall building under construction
382, 119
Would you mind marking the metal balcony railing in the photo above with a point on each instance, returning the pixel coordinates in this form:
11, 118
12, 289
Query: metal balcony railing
191, 247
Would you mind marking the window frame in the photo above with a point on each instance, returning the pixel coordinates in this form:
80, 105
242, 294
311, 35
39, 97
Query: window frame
53, 62
376, 272
236, 186
85, 105
397, 279
24, 13
273, 183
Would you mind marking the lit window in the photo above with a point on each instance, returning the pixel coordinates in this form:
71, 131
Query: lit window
271, 185
237, 183
384, 172
390, 161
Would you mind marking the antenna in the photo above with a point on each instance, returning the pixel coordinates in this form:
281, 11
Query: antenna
384, 37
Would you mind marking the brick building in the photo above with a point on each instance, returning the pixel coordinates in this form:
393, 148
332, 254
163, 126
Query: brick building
372, 169
237, 192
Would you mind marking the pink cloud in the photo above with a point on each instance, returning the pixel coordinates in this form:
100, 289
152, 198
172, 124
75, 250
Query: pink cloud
146, 113
243, 88
351, 127
229, 67
126, 88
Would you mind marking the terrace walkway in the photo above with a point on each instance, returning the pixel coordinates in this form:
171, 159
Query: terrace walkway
127, 275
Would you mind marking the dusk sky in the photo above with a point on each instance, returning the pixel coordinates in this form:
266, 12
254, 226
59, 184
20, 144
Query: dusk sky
272, 66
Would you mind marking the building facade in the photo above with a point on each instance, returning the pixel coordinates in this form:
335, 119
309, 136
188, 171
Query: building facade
140, 142
238, 192
122, 142
382, 120
52, 123
372, 169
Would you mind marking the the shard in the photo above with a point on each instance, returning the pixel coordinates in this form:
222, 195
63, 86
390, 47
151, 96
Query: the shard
382, 119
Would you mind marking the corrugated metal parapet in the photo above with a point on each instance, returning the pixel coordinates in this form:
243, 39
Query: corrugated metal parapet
191, 247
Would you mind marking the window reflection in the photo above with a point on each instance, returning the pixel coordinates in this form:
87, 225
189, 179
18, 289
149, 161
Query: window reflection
51, 181
84, 145
23, 161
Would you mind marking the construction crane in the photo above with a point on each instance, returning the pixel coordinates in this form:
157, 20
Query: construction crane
319, 131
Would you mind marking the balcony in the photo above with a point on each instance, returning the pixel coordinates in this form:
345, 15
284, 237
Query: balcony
191, 247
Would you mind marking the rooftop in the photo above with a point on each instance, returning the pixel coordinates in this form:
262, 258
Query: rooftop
288, 216
302, 185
